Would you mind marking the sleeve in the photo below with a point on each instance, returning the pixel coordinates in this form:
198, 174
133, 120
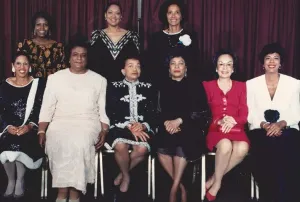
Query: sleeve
93, 56
292, 114
60, 57
151, 57
241, 119
254, 117
3, 123
202, 113
137, 43
34, 115
49, 101
150, 112
102, 102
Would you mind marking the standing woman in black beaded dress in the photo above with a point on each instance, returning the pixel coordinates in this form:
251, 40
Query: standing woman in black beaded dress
173, 36
20, 103
183, 121
112, 45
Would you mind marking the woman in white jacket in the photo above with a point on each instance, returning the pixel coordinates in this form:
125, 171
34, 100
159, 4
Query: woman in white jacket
274, 113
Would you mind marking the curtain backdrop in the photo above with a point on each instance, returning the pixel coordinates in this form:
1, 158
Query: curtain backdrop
242, 25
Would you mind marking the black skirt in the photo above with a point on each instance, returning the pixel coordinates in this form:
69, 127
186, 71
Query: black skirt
24, 148
119, 135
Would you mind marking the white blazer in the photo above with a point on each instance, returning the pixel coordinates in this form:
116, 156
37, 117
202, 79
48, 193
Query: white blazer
286, 100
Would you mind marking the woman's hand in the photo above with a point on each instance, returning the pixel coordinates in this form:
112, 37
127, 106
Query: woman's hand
275, 129
24, 129
229, 119
226, 127
12, 130
140, 135
172, 126
101, 139
42, 139
136, 127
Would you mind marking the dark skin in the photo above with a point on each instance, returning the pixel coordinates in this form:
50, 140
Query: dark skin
273, 129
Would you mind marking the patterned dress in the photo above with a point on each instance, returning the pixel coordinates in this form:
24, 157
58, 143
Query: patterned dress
130, 102
13, 104
108, 58
45, 60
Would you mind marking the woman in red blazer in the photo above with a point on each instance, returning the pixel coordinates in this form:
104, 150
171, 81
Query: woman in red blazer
228, 103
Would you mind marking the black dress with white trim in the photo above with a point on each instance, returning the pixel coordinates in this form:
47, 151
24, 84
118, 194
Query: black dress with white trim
13, 103
130, 102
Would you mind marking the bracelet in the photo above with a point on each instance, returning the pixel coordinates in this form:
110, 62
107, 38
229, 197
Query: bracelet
41, 131
265, 124
105, 130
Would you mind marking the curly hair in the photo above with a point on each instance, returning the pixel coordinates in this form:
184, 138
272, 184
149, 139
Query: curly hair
46, 16
271, 48
224, 52
162, 15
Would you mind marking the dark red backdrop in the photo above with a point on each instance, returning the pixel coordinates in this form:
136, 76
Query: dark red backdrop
243, 25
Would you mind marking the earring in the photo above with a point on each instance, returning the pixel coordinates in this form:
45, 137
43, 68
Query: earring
13, 68
30, 69
185, 74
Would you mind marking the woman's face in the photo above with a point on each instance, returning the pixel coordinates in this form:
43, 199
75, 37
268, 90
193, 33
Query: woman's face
272, 63
21, 66
132, 70
78, 58
113, 15
177, 68
224, 66
174, 15
41, 28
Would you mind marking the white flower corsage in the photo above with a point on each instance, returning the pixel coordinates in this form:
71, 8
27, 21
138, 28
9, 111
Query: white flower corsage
185, 40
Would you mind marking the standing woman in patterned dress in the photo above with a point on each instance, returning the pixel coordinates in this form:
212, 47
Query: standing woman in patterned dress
112, 45
47, 55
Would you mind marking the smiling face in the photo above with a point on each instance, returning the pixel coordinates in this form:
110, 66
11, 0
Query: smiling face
132, 69
78, 58
22, 66
41, 28
272, 63
177, 68
224, 66
113, 15
174, 15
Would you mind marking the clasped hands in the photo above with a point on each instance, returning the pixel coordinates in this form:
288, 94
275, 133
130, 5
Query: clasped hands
21, 130
273, 129
172, 126
227, 123
137, 129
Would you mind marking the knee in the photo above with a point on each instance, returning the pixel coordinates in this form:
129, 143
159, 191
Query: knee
121, 147
224, 147
241, 149
141, 150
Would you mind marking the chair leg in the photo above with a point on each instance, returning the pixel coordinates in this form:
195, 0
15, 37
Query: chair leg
203, 176
252, 186
153, 178
43, 180
194, 173
96, 175
101, 173
256, 191
149, 175
46, 178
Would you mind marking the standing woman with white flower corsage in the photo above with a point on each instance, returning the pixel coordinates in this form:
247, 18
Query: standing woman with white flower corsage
173, 36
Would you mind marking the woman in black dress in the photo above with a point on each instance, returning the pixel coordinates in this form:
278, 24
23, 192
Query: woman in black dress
183, 122
20, 102
131, 108
112, 45
173, 36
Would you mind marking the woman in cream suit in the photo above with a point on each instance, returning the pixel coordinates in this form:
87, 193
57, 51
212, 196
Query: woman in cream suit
274, 113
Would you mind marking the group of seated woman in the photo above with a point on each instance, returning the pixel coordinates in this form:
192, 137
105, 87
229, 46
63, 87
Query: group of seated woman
102, 100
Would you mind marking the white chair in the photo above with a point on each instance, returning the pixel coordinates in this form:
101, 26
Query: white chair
102, 176
203, 179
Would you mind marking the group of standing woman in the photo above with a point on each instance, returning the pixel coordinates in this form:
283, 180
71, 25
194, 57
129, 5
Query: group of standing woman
102, 100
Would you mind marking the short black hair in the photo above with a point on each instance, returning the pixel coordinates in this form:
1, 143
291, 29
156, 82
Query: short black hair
46, 16
20, 53
113, 3
162, 15
176, 53
132, 57
271, 48
77, 40
225, 52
